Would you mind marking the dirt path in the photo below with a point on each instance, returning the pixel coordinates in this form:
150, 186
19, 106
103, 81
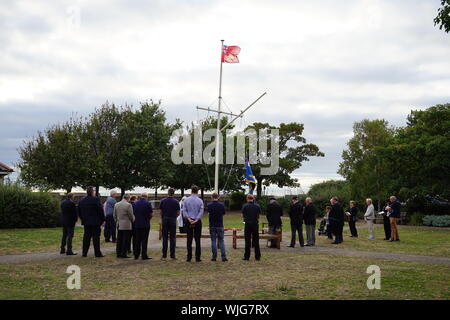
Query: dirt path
155, 245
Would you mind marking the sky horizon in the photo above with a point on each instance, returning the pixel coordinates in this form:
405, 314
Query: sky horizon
325, 64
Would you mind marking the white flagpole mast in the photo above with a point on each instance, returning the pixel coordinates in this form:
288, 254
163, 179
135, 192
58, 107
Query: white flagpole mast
218, 133
219, 130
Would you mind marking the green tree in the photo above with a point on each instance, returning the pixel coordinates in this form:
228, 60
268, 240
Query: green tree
322, 192
363, 163
51, 160
420, 154
150, 148
184, 175
443, 17
293, 151
100, 145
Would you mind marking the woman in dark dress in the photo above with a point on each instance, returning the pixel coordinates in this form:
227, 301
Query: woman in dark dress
352, 217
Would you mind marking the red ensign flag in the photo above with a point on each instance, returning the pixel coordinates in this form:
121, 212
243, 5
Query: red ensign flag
230, 54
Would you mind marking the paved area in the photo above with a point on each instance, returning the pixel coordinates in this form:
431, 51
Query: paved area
155, 245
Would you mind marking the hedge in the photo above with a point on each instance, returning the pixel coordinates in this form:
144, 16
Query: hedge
436, 221
22, 208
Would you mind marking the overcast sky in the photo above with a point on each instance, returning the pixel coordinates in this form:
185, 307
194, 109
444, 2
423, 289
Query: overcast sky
323, 63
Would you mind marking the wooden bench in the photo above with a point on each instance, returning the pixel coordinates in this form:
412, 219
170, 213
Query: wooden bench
276, 237
265, 230
181, 235
204, 236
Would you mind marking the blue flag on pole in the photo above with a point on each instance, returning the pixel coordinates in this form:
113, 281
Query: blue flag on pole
249, 177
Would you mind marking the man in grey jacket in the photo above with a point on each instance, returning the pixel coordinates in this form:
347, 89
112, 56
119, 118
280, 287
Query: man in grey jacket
124, 218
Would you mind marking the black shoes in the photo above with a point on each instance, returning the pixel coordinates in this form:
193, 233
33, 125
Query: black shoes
213, 259
245, 259
100, 256
62, 252
70, 253
224, 259
198, 260
146, 258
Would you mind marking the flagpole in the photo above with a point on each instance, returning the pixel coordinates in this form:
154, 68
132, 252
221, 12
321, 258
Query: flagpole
218, 132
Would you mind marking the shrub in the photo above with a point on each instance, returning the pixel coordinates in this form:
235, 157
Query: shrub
22, 208
436, 221
416, 219
237, 199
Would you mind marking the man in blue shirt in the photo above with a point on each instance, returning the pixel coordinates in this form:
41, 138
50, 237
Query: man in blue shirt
170, 209
110, 225
394, 209
143, 212
193, 212
216, 212
251, 212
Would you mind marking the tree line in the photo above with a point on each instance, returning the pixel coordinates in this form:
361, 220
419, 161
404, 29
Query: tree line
381, 160
126, 147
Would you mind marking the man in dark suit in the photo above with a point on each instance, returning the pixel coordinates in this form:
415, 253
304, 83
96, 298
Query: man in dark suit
251, 212
386, 221
68, 220
143, 212
274, 213
336, 218
92, 218
309, 217
296, 216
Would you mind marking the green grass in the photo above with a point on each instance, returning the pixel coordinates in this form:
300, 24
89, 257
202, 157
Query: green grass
280, 275
413, 240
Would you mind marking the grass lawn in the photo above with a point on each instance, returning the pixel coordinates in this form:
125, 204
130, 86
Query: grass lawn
413, 240
279, 275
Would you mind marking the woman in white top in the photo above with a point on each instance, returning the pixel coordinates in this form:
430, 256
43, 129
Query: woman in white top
180, 217
369, 216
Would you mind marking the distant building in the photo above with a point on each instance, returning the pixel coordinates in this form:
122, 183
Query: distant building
4, 171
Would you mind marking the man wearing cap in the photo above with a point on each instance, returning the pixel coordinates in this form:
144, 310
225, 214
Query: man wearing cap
296, 216
274, 213
251, 212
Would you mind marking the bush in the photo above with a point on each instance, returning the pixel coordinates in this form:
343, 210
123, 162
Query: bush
237, 199
436, 221
416, 219
22, 208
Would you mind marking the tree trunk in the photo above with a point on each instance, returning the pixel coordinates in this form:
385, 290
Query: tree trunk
259, 187
182, 192
202, 193
68, 190
97, 191
156, 192
122, 192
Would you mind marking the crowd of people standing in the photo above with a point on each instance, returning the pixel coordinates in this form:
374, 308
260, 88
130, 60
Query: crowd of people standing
128, 222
